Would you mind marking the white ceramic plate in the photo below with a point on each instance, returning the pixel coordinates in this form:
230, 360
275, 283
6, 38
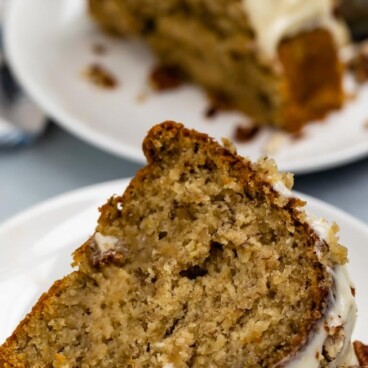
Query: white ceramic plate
49, 43
36, 249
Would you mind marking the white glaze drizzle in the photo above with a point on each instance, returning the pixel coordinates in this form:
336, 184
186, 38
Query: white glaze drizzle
105, 242
273, 20
341, 312
282, 189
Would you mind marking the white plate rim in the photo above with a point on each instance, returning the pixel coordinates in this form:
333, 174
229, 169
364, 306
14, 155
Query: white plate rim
61, 116
63, 200
75, 126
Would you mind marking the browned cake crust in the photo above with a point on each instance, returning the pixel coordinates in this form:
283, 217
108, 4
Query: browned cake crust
68, 327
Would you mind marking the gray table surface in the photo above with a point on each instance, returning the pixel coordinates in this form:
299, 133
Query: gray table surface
59, 162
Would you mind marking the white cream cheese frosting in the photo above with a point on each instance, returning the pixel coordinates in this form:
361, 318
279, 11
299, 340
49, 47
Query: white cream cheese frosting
340, 315
273, 20
105, 242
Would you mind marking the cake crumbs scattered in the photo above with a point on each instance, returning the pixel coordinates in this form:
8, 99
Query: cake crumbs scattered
274, 144
100, 76
366, 124
99, 49
211, 112
142, 96
220, 101
165, 77
358, 64
245, 133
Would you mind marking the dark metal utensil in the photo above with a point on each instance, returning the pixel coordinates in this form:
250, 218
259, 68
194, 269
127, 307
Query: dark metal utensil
355, 13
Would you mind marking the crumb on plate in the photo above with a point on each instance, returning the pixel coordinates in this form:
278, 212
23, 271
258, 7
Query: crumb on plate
99, 48
245, 133
100, 76
165, 77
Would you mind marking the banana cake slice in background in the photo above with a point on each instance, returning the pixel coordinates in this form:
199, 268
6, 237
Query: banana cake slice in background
206, 260
277, 61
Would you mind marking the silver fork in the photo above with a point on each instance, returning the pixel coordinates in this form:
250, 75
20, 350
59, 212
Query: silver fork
21, 121
11, 136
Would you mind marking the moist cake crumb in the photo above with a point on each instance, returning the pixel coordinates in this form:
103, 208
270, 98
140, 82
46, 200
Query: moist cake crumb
245, 133
358, 64
164, 77
142, 97
99, 49
202, 261
100, 76
211, 112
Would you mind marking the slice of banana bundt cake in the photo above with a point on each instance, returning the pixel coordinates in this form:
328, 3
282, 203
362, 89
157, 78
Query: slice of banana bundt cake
275, 60
206, 260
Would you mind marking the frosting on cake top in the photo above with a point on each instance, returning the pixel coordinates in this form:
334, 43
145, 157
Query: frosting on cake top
272, 20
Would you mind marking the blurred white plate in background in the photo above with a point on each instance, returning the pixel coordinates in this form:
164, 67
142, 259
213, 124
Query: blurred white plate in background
36, 249
49, 43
